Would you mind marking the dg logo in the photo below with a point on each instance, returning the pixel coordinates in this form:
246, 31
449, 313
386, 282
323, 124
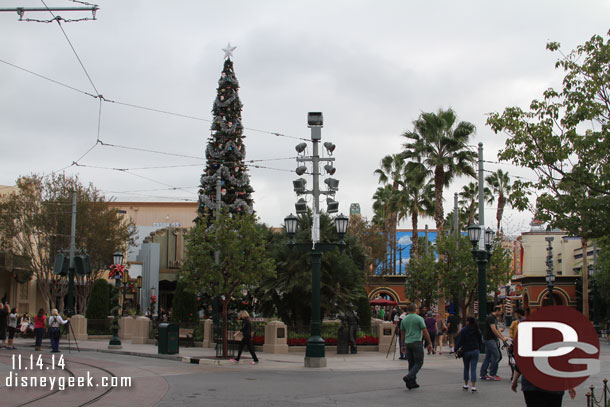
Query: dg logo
557, 348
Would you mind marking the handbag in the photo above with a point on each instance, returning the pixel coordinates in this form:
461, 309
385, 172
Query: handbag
459, 353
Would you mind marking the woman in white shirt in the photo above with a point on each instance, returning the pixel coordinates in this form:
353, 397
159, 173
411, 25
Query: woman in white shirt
55, 321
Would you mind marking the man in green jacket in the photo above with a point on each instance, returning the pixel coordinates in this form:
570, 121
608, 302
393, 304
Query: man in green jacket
412, 328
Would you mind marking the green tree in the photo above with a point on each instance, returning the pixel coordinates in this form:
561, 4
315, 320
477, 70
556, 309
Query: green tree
501, 185
422, 279
383, 205
243, 260
341, 279
469, 198
35, 223
565, 139
417, 195
391, 173
441, 145
185, 306
99, 300
370, 237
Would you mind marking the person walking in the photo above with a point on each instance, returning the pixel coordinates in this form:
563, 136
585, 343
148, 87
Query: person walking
12, 328
491, 335
246, 340
40, 321
55, 321
453, 323
537, 397
469, 342
412, 328
4, 309
441, 330
512, 331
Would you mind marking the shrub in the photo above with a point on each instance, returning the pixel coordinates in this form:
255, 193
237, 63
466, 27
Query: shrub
98, 306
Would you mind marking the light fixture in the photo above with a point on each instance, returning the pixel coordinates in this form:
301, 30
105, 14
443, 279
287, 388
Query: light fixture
315, 119
139, 282
117, 258
489, 238
474, 234
126, 276
330, 147
300, 147
332, 183
330, 170
341, 222
301, 206
299, 185
290, 225
301, 170
332, 206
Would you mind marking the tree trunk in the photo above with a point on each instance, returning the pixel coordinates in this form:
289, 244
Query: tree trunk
225, 333
440, 224
500, 211
414, 235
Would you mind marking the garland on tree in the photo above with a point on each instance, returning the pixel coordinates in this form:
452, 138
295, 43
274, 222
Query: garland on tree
225, 151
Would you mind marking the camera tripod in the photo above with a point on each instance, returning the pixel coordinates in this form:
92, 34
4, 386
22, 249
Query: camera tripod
71, 331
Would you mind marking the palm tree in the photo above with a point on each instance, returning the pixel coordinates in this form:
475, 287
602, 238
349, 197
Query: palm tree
442, 146
391, 173
499, 182
470, 199
417, 197
382, 208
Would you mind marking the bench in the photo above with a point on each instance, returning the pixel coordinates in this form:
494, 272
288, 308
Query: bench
186, 335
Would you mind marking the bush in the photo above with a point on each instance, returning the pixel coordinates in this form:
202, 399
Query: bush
364, 312
98, 306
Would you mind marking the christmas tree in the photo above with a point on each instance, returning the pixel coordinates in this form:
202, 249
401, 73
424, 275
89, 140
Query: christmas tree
225, 152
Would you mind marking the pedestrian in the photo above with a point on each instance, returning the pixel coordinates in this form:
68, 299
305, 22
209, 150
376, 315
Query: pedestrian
4, 310
491, 335
55, 321
512, 331
469, 343
430, 322
453, 323
403, 355
381, 314
25, 325
537, 397
40, 321
412, 328
441, 331
12, 328
246, 340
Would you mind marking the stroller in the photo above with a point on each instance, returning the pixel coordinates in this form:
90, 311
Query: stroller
509, 346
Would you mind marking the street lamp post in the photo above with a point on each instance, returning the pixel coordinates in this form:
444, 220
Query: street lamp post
595, 292
116, 272
315, 352
482, 258
550, 276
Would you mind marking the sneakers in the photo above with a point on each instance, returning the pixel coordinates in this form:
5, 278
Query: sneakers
494, 378
254, 362
234, 361
485, 378
465, 387
474, 389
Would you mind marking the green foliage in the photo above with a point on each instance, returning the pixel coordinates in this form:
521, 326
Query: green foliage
602, 274
185, 306
289, 294
565, 139
99, 300
422, 279
363, 307
243, 260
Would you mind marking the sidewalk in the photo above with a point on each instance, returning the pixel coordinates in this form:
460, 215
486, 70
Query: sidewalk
207, 356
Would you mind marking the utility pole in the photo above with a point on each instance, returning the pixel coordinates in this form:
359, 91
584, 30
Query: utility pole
70, 310
481, 199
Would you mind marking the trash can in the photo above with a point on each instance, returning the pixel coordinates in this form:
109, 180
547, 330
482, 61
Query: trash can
168, 339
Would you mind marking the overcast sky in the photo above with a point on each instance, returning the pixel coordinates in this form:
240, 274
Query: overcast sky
370, 66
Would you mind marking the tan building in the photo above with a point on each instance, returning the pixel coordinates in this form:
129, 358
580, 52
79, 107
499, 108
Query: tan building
531, 282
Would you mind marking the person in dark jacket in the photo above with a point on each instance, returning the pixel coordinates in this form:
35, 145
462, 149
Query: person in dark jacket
469, 341
246, 330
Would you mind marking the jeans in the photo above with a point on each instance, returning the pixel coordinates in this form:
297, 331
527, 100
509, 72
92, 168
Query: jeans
39, 334
492, 357
470, 359
415, 357
54, 334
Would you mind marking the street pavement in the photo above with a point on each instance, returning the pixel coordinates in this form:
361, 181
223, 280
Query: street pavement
365, 379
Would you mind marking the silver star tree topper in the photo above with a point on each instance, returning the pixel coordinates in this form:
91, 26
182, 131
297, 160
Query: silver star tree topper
229, 50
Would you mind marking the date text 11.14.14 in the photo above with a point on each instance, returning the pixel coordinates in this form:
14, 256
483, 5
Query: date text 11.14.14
32, 363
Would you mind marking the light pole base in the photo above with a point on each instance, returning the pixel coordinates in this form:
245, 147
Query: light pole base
115, 347
315, 362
